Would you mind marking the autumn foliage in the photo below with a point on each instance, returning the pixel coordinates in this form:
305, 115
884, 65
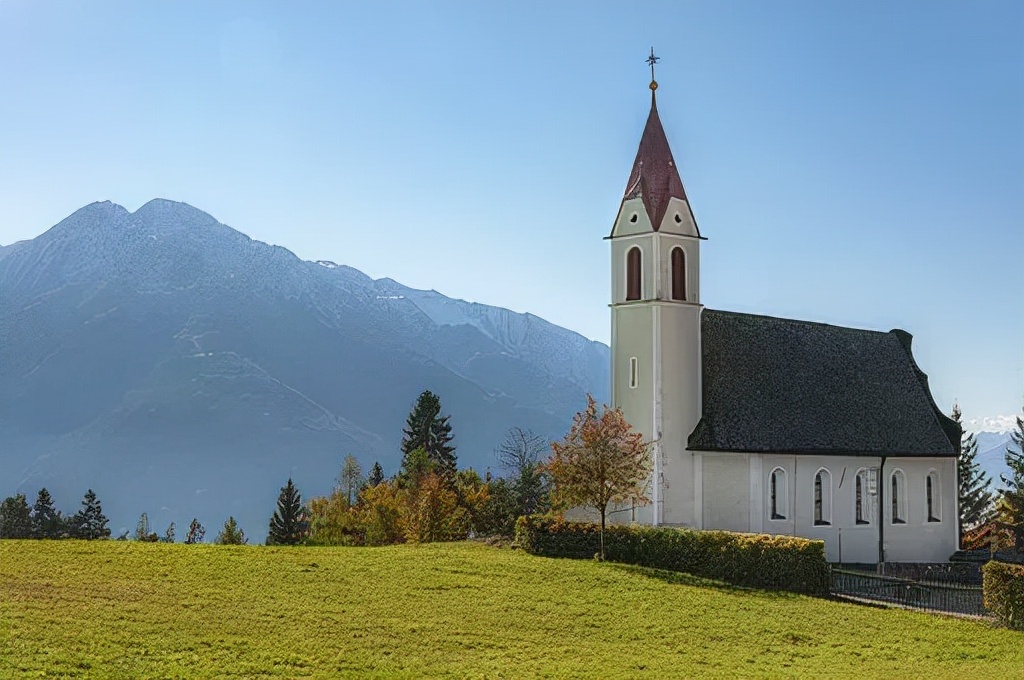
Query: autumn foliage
602, 460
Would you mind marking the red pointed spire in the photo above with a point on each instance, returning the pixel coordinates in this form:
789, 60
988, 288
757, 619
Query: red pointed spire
654, 177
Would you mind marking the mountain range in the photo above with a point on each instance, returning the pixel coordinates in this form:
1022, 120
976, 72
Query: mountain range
180, 368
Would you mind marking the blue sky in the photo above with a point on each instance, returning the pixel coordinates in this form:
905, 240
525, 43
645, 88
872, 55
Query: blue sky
853, 163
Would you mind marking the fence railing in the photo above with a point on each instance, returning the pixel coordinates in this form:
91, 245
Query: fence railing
954, 598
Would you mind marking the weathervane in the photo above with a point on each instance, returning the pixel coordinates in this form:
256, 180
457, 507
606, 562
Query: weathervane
652, 60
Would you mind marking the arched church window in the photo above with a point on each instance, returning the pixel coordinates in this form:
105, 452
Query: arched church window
777, 493
860, 501
899, 497
633, 274
822, 498
678, 274
931, 492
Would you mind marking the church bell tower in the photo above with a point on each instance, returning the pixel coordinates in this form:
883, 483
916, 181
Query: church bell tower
656, 359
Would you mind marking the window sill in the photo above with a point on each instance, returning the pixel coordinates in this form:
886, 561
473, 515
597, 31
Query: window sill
822, 523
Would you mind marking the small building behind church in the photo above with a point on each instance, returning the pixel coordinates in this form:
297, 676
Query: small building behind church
763, 424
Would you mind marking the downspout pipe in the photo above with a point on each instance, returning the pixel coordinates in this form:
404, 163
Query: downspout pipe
881, 517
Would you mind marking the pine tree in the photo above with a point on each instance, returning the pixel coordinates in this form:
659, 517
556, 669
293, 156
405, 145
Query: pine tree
90, 523
288, 525
15, 521
350, 478
231, 534
376, 476
196, 532
975, 497
1012, 500
427, 429
47, 521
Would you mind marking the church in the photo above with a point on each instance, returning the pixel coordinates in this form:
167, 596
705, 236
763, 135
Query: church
762, 424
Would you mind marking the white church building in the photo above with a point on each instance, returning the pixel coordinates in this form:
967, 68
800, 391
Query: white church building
762, 424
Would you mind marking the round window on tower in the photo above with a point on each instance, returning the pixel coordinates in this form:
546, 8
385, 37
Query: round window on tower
678, 219
633, 218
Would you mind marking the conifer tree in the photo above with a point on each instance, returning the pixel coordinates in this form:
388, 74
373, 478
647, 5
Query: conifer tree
168, 536
351, 477
975, 497
288, 525
142, 528
427, 429
376, 476
231, 534
90, 523
15, 521
47, 521
1012, 501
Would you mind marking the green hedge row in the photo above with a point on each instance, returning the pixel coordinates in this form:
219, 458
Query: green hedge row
756, 560
1003, 588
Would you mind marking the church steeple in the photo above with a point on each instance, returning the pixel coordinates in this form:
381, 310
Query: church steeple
654, 176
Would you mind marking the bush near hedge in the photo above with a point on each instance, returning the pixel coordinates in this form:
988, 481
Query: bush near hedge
1003, 589
755, 560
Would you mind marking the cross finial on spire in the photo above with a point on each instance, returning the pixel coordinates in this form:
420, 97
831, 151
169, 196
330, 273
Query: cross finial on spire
652, 60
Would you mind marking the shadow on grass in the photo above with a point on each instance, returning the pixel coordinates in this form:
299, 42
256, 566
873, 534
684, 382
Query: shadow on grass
683, 579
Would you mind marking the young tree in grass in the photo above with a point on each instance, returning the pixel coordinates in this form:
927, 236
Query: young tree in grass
15, 521
231, 534
351, 478
288, 525
196, 532
600, 461
427, 429
47, 521
90, 523
975, 496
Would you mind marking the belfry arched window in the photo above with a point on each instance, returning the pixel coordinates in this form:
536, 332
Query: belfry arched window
678, 274
633, 272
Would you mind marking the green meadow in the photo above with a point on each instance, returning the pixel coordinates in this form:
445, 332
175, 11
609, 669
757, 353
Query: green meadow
122, 609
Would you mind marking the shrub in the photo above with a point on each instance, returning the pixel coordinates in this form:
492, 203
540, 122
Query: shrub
756, 560
1003, 588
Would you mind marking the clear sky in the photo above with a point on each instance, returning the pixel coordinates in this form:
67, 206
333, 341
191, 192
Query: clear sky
857, 163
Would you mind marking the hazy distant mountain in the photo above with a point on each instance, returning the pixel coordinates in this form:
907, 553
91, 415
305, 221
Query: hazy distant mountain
992, 454
180, 368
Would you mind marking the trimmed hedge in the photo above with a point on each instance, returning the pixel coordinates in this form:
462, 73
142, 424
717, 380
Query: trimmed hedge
1003, 589
755, 560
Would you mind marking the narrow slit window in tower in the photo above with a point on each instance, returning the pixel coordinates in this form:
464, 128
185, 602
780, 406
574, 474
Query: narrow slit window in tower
678, 274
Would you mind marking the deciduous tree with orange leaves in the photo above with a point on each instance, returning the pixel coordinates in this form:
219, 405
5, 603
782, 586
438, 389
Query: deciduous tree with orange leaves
602, 460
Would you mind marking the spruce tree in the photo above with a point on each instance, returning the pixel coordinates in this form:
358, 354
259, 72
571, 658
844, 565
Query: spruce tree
168, 536
288, 525
14, 517
975, 497
231, 534
90, 523
196, 531
427, 429
351, 477
376, 476
47, 521
1013, 493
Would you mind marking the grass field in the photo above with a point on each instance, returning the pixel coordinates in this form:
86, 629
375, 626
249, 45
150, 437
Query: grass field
113, 609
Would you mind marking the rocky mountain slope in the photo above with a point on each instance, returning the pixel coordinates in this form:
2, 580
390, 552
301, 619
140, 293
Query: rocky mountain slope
180, 368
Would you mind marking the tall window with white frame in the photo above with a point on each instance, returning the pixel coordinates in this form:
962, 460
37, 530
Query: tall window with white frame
860, 501
777, 494
898, 490
633, 274
931, 492
822, 498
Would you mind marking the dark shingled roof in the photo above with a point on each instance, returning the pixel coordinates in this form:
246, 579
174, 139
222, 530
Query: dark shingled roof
654, 176
786, 386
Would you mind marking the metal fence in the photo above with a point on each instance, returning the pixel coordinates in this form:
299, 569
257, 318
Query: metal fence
953, 598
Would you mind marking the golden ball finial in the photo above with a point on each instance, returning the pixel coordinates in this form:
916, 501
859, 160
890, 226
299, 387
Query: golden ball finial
654, 85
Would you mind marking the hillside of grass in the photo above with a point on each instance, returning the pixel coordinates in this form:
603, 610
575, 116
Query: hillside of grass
119, 609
